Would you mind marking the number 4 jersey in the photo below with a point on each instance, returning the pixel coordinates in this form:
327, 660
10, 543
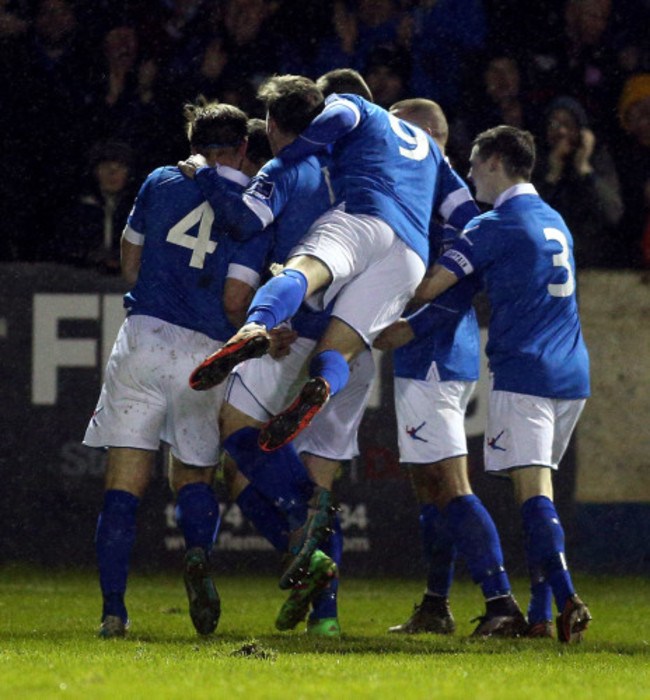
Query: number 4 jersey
187, 254
523, 252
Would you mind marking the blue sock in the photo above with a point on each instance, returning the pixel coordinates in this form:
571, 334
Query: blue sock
545, 546
278, 299
478, 543
114, 540
279, 475
332, 366
266, 518
325, 604
197, 513
439, 549
541, 597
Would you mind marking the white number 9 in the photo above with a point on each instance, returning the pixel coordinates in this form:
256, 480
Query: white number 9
420, 140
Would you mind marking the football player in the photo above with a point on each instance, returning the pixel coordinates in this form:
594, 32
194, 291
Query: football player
522, 252
191, 286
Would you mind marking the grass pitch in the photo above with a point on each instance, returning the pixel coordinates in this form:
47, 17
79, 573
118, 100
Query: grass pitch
48, 647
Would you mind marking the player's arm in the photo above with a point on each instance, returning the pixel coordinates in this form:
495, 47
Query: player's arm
438, 280
242, 222
454, 203
131, 245
237, 296
425, 320
339, 117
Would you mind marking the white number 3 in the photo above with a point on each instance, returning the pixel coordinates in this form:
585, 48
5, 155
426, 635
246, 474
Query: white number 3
561, 260
200, 245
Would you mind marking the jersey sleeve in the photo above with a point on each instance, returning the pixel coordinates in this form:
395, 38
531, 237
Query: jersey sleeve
454, 202
473, 250
269, 190
339, 117
249, 259
242, 222
136, 223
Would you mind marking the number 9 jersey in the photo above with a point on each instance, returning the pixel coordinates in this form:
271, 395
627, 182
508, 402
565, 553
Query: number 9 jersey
523, 252
187, 254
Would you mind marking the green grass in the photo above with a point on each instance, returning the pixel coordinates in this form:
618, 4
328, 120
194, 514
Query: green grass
48, 648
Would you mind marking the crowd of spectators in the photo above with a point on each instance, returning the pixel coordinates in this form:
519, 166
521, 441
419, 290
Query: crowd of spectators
92, 95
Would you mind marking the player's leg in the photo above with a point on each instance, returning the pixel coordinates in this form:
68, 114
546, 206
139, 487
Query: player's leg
328, 374
128, 473
323, 618
374, 274
197, 513
279, 477
433, 613
546, 552
476, 538
526, 437
276, 301
328, 441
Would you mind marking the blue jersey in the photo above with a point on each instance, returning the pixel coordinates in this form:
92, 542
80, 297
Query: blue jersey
447, 335
384, 167
186, 257
523, 252
286, 198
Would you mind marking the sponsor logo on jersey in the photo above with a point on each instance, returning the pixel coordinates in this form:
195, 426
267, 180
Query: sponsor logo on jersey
261, 188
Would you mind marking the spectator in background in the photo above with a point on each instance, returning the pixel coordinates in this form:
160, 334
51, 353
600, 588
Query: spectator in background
49, 120
576, 175
633, 155
89, 232
583, 61
387, 74
358, 29
445, 40
123, 105
499, 99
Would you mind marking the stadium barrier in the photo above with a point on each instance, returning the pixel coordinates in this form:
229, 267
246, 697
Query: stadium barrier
57, 326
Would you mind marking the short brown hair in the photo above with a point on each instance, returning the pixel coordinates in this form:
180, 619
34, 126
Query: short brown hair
344, 80
292, 101
214, 125
516, 148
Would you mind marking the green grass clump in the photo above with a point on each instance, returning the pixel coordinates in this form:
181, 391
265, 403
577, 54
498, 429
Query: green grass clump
49, 648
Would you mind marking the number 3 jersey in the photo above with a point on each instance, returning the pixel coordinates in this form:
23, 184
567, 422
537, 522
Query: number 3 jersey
523, 252
187, 254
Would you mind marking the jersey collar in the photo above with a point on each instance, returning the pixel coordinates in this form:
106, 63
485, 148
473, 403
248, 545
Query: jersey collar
233, 175
514, 191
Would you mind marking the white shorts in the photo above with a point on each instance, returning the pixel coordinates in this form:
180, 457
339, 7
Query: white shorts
374, 273
263, 387
431, 419
146, 395
525, 430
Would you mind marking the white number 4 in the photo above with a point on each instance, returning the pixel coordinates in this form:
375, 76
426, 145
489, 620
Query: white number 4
561, 260
200, 245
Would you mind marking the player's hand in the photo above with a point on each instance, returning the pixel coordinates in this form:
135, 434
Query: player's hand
191, 165
281, 339
396, 335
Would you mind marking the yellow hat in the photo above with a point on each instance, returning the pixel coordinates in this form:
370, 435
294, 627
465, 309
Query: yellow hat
635, 89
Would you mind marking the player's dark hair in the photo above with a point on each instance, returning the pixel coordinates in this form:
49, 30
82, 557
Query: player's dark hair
516, 148
259, 149
213, 125
344, 80
292, 101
